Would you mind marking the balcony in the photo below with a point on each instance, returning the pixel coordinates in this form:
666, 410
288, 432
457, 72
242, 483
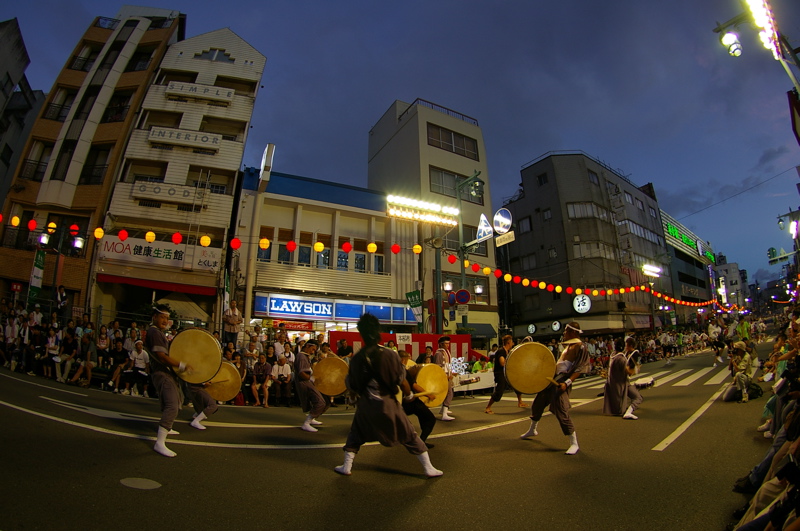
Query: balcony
350, 284
115, 114
56, 113
33, 170
93, 174
84, 64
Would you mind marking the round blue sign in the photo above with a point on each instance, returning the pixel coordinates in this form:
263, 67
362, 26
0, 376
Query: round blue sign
451, 298
462, 296
502, 221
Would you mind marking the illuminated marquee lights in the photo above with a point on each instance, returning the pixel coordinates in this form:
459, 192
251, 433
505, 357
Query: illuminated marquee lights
762, 16
685, 239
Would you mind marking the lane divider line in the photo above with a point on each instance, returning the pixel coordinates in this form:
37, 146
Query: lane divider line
680, 430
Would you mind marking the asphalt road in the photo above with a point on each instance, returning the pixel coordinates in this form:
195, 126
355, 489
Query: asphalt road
79, 458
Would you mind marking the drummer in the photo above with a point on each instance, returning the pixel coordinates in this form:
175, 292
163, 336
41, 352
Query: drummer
619, 391
311, 400
442, 358
204, 405
165, 381
415, 406
500, 382
573, 362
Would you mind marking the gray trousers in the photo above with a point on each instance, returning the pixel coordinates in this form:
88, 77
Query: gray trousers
635, 397
202, 401
169, 397
559, 406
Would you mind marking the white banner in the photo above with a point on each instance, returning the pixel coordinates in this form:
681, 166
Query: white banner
162, 254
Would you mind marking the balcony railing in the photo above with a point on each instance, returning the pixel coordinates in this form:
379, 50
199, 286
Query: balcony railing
115, 114
56, 112
93, 174
83, 64
138, 65
107, 23
23, 239
33, 170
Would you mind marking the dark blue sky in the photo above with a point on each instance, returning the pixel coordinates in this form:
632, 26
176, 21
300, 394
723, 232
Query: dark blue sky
643, 86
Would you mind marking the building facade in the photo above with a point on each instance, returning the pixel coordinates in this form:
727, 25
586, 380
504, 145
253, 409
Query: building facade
62, 184
19, 104
426, 152
177, 190
579, 224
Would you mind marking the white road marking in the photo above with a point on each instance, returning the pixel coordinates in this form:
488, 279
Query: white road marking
337, 446
673, 376
694, 377
723, 375
140, 483
672, 437
656, 375
49, 388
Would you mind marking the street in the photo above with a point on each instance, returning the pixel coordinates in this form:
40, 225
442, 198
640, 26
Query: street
70, 452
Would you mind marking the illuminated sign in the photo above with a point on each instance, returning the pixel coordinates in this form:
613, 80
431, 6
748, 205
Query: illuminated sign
675, 232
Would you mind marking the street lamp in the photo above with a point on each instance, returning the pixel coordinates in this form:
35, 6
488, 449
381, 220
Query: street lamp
475, 190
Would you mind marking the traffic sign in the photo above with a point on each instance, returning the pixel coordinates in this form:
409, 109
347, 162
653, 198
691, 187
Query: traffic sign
485, 230
502, 221
451, 298
462, 296
504, 239
462, 310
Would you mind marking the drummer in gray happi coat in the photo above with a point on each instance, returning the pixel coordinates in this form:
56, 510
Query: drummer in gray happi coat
619, 394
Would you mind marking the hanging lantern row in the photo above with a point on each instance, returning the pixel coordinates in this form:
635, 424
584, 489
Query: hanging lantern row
347, 247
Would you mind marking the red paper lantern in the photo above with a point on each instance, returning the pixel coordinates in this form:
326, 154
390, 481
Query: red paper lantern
395, 248
74, 229
347, 247
476, 268
498, 273
236, 243
517, 279
177, 238
550, 287
122, 235
291, 246
452, 259
569, 289
32, 225
602, 293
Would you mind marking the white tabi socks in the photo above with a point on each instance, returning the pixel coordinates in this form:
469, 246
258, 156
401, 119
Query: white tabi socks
573, 444
315, 422
307, 425
161, 440
197, 420
446, 414
344, 469
430, 471
531, 431
629, 414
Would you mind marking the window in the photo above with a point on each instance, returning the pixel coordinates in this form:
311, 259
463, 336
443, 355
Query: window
284, 256
304, 255
587, 210
443, 182
264, 254
378, 265
528, 262
524, 225
593, 178
639, 204
211, 187
215, 54
628, 198
341, 261
451, 141
653, 212
6, 154
470, 234
7, 86
551, 252
593, 250
323, 258
547, 214
361, 262
542, 179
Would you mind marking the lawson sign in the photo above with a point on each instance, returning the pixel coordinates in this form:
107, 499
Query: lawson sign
289, 306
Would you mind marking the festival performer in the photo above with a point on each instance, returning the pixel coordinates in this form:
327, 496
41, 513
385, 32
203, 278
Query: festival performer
162, 372
618, 389
442, 358
375, 374
500, 382
573, 362
311, 400
415, 406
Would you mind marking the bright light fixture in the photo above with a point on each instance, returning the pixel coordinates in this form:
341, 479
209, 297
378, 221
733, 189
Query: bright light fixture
651, 270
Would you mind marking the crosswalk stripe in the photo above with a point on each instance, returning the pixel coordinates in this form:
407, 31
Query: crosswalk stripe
656, 375
694, 377
672, 376
719, 378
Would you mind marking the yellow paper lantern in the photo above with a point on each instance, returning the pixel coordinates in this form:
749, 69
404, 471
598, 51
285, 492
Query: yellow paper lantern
150, 236
594, 293
15, 221
319, 247
372, 248
622, 290
417, 249
51, 227
99, 233
578, 291
507, 277
205, 240
263, 243
559, 289
542, 285
466, 264
526, 282
487, 270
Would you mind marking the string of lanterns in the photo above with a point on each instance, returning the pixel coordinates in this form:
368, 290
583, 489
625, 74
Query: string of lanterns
347, 247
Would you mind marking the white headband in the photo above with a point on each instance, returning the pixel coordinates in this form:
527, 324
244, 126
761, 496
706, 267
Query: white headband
575, 329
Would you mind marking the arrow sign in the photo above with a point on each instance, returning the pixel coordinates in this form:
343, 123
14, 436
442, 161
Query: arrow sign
485, 230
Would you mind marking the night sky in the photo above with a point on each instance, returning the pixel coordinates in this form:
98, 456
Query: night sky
643, 86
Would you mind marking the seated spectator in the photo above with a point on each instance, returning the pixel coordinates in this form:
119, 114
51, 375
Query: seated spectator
250, 354
261, 379
89, 358
426, 356
67, 352
272, 358
282, 381
118, 359
137, 370
102, 344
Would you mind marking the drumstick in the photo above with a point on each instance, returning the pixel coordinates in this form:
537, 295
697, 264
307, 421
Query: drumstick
218, 381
